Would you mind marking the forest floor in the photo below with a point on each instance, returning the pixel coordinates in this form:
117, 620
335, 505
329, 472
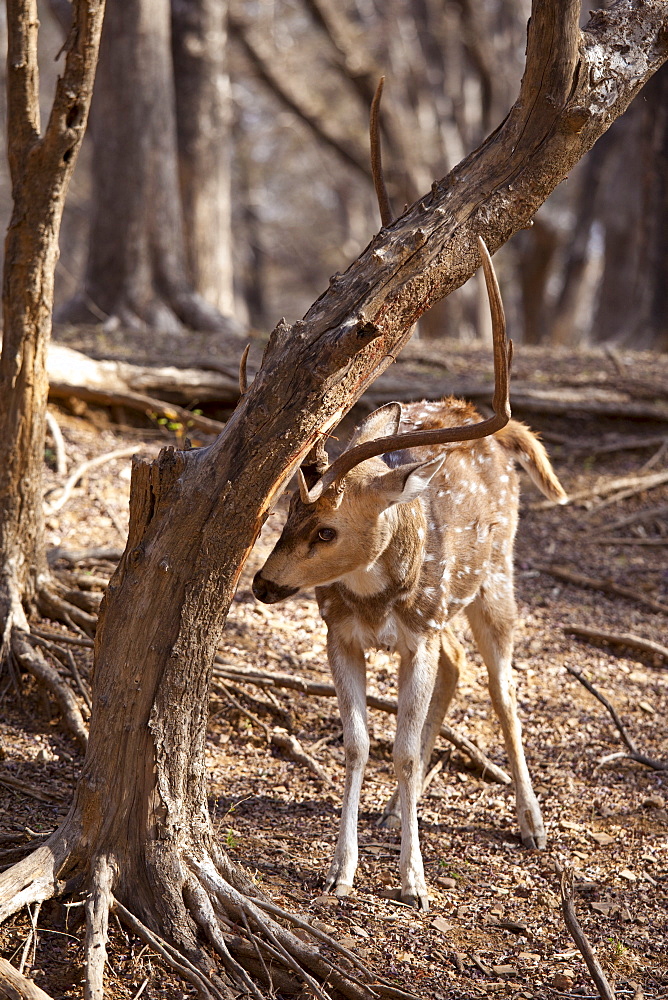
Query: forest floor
495, 926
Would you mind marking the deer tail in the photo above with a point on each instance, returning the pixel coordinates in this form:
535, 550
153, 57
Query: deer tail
523, 444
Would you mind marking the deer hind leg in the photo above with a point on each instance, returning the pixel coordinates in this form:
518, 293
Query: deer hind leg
349, 675
492, 622
417, 679
451, 660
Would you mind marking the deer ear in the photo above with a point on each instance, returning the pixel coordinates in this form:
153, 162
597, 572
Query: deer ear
407, 482
381, 423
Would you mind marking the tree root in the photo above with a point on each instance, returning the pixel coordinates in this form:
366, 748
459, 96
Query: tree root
15, 986
249, 934
31, 659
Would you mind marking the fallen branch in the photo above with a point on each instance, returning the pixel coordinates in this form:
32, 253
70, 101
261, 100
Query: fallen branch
14, 986
290, 745
92, 463
619, 639
622, 488
58, 443
226, 671
597, 974
659, 513
31, 659
150, 407
612, 540
633, 753
27, 789
606, 586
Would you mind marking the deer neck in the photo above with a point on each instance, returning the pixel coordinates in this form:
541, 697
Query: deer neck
395, 572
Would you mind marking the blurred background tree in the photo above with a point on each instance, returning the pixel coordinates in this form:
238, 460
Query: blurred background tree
262, 190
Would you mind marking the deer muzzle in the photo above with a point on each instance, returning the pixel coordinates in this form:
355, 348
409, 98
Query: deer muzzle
269, 592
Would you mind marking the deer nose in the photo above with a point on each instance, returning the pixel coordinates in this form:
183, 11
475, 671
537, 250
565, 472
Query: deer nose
260, 588
269, 592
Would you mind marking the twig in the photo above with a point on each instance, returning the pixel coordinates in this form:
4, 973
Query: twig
597, 974
606, 586
290, 745
66, 658
627, 485
612, 540
634, 754
85, 467
225, 670
244, 711
58, 443
31, 659
619, 639
75, 640
22, 786
137, 401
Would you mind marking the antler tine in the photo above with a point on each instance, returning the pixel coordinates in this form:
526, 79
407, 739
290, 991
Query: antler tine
243, 378
445, 435
386, 215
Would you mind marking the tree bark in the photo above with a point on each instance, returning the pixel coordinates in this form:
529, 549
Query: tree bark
139, 820
136, 270
203, 122
41, 167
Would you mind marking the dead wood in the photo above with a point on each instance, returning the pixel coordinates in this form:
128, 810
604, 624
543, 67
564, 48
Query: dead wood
636, 518
633, 753
605, 586
619, 639
27, 789
14, 986
150, 407
205, 380
31, 659
227, 671
80, 472
606, 992
290, 745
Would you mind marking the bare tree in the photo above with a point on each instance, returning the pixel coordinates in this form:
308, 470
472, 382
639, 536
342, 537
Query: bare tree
41, 167
196, 514
141, 269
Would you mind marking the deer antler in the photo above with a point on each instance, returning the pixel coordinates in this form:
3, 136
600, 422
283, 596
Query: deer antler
386, 215
503, 352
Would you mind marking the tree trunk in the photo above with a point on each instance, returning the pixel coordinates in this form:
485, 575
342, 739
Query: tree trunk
138, 832
136, 270
203, 121
41, 167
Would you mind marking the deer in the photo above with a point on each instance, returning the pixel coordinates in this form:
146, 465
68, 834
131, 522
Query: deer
412, 525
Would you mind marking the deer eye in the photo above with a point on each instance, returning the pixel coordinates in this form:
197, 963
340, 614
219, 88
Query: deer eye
326, 535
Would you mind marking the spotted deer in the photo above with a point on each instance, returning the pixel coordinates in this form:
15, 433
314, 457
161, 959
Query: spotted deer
411, 525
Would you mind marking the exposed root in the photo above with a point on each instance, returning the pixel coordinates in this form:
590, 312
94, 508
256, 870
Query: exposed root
283, 947
33, 879
60, 607
32, 660
97, 908
185, 968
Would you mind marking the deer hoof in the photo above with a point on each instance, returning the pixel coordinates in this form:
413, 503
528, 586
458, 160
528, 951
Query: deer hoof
341, 889
390, 821
534, 842
420, 902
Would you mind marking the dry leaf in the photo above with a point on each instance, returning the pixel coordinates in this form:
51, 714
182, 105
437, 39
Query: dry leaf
441, 924
603, 839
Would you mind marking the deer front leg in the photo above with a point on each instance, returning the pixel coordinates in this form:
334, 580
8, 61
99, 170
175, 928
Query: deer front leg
417, 677
348, 668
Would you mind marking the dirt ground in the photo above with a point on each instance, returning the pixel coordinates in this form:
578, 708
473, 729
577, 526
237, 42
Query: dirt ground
495, 925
